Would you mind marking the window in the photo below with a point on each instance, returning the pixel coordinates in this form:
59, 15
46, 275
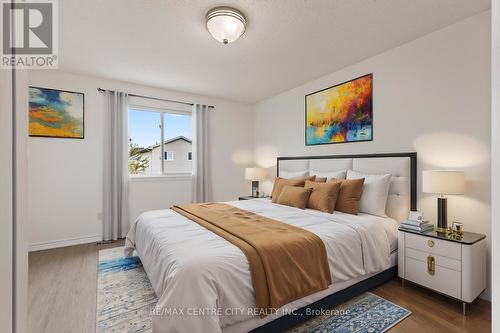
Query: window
147, 128
190, 156
169, 156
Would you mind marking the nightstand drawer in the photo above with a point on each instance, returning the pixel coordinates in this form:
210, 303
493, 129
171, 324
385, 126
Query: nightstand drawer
434, 246
444, 280
445, 262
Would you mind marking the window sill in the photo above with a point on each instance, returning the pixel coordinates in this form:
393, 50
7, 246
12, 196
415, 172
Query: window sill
171, 177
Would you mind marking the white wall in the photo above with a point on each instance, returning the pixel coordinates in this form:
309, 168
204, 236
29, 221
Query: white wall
150, 193
65, 175
431, 95
495, 165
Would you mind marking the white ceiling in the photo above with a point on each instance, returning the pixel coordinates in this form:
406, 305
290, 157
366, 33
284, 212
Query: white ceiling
287, 42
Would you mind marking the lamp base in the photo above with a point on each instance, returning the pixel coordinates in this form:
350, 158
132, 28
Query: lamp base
442, 214
255, 189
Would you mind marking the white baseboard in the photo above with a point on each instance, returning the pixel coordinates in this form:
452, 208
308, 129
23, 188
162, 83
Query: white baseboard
64, 242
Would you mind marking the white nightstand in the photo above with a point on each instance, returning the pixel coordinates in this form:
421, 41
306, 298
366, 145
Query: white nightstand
453, 266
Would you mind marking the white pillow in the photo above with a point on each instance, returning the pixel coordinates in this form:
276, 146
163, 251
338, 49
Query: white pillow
375, 192
340, 174
293, 174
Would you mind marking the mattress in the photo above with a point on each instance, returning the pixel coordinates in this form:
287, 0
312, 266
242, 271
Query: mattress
203, 282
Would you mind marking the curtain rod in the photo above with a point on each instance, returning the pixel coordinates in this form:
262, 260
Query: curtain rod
155, 98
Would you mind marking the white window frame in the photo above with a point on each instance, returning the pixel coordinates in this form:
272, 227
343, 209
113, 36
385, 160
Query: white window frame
162, 112
166, 155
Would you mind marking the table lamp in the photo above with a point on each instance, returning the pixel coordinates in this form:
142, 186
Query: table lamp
443, 182
255, 175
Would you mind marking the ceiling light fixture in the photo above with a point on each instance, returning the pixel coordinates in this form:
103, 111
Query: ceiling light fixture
225, 24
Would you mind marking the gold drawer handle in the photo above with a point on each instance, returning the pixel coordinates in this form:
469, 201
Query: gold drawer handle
431, 265
430, 242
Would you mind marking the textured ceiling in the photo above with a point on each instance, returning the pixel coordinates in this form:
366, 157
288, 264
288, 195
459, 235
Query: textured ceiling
287, 42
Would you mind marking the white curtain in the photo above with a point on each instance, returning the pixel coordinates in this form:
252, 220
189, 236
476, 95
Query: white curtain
116, 179
202, 185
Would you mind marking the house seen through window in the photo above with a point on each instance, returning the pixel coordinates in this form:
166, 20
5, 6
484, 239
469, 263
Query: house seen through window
146, 129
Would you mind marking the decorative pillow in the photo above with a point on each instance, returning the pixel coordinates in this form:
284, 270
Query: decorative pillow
339, 174
349, 195
293, 174
294, 196
323, 196
375, 191
320, 180
279, 183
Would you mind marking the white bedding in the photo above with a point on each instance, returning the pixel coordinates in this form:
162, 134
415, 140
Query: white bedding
203, 282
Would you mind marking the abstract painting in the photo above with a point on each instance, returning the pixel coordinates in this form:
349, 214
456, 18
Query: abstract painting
56, 113
342, 113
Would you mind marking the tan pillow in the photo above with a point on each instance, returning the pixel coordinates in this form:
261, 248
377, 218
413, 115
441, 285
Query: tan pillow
279, 183
349, 195
323, 196
320, 180
294, 196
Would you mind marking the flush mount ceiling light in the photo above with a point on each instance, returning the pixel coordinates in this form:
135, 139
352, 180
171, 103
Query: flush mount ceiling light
225, 24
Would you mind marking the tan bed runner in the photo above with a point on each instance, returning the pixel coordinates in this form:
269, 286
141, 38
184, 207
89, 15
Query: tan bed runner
286, 262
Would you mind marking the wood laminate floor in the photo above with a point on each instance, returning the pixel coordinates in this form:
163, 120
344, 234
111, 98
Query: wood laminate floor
62, 289
63, 282
432, 312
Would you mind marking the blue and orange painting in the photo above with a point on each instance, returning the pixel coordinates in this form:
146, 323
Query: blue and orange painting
342, 113
55, 113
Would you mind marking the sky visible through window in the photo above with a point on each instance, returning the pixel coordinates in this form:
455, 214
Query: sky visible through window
144, 131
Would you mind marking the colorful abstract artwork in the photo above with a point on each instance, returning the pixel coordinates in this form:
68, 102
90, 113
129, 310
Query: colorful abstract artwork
342, 113
56, 113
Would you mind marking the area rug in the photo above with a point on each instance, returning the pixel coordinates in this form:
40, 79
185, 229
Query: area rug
367, 313
125, 299
124, 294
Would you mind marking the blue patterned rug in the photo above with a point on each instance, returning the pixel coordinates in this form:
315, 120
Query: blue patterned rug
125, 298
124, 294
367, 313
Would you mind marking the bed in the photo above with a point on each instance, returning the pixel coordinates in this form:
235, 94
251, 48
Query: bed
203, 282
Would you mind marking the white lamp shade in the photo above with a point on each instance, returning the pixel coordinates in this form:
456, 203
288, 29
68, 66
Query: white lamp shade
255, 174
443, 182
225, 24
